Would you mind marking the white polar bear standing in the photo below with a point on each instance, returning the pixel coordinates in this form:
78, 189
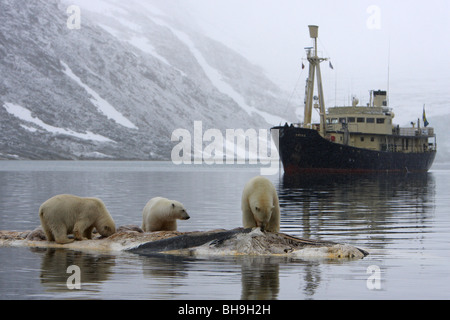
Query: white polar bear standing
68, 214
161, 214
260, 207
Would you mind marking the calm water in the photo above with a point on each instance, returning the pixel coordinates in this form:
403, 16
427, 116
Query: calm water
403, 221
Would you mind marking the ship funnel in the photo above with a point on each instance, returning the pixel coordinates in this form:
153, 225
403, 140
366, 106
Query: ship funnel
313, 31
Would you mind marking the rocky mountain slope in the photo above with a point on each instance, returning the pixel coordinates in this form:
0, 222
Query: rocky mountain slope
120, 84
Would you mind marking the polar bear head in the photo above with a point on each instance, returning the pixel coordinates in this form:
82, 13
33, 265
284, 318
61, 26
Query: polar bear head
178, 211
262, 213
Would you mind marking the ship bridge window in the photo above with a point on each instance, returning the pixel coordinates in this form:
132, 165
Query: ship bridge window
342, 120
380, 120
334, 120
370, 120
360, 120
351, 119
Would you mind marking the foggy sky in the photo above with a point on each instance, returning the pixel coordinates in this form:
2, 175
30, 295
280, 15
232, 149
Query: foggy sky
274, 33
400, 46
362, 39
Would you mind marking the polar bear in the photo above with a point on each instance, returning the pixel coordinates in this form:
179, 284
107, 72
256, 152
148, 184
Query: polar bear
68, 214
161, 214
260, 206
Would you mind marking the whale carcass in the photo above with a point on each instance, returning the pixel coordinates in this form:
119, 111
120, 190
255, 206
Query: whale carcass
221, 242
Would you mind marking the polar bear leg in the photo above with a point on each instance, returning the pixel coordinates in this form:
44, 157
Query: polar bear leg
88, 232
48, 232
82, 229
248, 220
60, 235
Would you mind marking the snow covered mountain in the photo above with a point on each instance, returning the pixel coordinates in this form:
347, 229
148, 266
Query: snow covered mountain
119, 83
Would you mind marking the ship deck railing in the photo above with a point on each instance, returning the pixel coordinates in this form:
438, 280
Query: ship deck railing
413, 132
398, 148
404, 132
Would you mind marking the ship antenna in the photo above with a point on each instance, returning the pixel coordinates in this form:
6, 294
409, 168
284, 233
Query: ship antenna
389, 71
335, 88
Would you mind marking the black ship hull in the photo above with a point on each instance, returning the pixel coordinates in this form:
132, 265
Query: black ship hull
305, 151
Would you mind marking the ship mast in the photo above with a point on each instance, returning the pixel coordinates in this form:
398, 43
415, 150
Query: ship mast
314, 68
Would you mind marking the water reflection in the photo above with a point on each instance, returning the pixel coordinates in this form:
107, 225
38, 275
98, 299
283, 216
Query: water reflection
94, 268
257, 277
130, 276
368, 209
260, 278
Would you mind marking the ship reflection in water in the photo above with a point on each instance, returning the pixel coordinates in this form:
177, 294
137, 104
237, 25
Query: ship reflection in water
369, 209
